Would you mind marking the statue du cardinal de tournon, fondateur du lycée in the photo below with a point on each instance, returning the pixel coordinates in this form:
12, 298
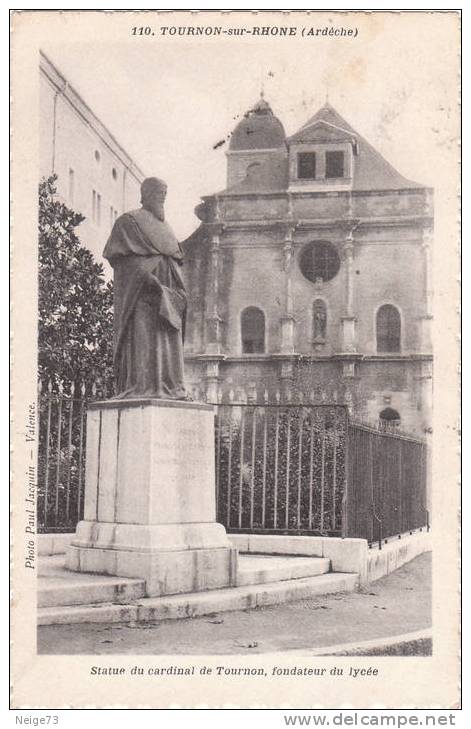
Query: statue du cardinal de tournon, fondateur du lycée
149, 300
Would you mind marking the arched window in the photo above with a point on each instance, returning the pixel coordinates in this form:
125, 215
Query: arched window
319, 321
389, 419
388, 329
253, 330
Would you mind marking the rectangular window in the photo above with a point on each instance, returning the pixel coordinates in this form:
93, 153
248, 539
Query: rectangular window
71, 186
98, 208
307, 166
113, 215
334, 164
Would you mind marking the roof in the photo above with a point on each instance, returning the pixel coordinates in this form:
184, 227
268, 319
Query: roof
259, 129
371, 170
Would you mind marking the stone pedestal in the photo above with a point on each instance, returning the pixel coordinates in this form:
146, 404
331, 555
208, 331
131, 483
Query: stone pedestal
150, 509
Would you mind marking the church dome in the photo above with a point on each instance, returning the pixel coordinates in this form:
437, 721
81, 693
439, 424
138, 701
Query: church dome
259, 129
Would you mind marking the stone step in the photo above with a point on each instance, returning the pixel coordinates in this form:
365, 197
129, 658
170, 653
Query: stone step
192, 605
59, 587
261, 569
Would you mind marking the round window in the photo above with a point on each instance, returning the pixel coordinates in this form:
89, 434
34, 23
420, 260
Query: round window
319, 261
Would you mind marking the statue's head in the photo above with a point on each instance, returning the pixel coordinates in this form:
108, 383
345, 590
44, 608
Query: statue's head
153, 194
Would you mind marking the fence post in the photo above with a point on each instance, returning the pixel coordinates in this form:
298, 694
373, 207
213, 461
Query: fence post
372, 496
81, 432
345, 500
48, 437
69, 451
58, 446
217, 425
264, 472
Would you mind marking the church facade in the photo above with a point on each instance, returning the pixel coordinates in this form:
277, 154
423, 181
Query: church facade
309, 276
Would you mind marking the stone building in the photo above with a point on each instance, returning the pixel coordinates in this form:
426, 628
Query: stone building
310, 275
96, 177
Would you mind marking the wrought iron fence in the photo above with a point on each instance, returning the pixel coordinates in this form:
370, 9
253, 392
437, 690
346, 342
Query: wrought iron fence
280, 468
386, 483
61, 453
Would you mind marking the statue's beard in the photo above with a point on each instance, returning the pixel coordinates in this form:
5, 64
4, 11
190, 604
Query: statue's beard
157, 210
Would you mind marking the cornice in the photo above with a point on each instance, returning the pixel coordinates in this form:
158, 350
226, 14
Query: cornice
304, 224
309, 357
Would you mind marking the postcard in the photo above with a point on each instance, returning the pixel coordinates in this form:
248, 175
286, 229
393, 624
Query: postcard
235, 360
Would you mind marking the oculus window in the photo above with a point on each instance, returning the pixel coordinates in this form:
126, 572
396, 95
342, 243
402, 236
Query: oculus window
252, 330
388, 329
319, 261
334, 164
307, 165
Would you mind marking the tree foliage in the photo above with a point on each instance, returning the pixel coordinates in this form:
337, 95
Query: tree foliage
75, 301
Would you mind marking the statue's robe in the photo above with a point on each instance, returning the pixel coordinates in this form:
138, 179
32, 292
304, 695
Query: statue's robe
149, 307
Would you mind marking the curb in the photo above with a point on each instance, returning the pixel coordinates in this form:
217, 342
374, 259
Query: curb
375, 644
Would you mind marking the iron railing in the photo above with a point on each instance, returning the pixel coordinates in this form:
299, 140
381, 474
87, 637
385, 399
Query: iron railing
386, 484
301, 468
61, 453
281, 468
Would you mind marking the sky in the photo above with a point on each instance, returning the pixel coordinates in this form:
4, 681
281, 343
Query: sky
168, 103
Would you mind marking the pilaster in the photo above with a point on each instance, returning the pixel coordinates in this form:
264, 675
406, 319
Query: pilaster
287, 318
349, 319
213, 320
427, 317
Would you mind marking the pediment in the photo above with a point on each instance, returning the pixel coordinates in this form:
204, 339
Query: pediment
322, 131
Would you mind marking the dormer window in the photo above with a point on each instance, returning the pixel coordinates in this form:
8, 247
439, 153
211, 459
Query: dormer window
334, 164
307, 165
318, 165
321, 155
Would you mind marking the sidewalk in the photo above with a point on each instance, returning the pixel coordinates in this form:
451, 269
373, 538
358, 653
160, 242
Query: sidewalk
393, 606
